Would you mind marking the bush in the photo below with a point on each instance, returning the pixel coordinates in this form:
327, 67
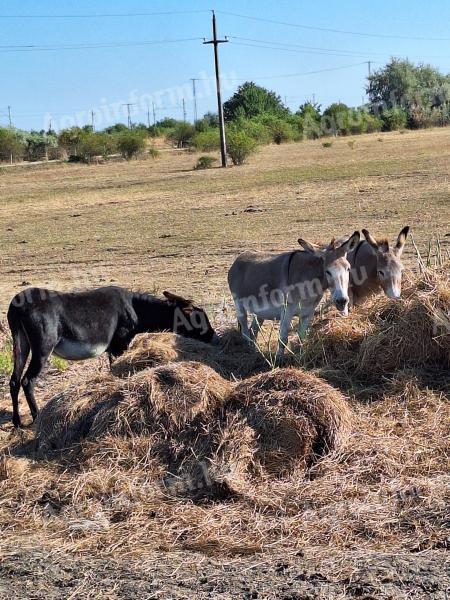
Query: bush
154, 152
131, 144
205, 162
327, 144
394, 118
182, 134
207, 140
11, 145
95, 144
239, 146
279, 130
255, 129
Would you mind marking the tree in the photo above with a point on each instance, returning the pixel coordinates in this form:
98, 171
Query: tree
420, 90
38, 143
12, 144
309, 112
117, 128
70, 139
251, 100
93, 144
182, 134
131, 143
336, 119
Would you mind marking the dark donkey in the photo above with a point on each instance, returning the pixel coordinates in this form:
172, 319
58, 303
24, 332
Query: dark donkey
82, 325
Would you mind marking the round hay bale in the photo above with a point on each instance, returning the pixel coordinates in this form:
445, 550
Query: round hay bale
293, 416
68, 416
171, 396
231, 357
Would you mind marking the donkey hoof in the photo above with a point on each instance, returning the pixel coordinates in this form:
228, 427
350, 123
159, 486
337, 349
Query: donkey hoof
17, 423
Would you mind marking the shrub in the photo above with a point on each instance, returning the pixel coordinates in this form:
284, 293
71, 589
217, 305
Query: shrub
182, 134
95, 144
131, 144
327, 144
11, 145
207, 140
372, 123
239, 146
279, 130
205, 162
255, 129
394, 118
154, 152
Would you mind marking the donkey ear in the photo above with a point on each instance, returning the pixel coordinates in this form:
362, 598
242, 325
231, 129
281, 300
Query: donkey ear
307, 246
354, 240
349, 244
370, 239
401, 241
178, 300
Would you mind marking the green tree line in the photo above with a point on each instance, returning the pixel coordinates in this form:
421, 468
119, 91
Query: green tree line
400, 95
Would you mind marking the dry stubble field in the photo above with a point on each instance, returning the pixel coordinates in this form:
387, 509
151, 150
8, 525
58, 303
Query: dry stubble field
160, 225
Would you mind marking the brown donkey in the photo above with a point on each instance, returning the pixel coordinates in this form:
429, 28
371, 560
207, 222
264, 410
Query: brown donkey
375, 267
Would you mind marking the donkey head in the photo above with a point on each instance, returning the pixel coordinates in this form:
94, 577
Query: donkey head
336, 267
389, 265
189, 320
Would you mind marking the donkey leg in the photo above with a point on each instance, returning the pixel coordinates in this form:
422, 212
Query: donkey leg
305, 318
21, 350
241, 313
39, 357
285, 324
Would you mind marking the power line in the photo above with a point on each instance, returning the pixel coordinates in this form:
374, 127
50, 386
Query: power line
91, 46
267, 47
299, 46
300, 74
327, 51
104, 15
330, 30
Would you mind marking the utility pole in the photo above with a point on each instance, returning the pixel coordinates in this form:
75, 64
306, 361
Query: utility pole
194, 93
184, 111
93, 120
154, 113
369, 70
314, 99
148, 115
128, 104
216, 42
9, 116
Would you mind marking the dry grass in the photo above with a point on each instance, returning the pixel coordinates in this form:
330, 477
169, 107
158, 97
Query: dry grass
127, 484
386, 489
67, 226
383, 336
233, 357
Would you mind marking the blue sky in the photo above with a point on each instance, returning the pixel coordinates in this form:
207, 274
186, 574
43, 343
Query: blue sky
64, 85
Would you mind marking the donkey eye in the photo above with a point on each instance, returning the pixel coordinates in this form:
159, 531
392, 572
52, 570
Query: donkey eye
381, 273
328, 273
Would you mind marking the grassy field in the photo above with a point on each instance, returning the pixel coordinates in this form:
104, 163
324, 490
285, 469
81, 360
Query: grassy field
369, 522
159, 224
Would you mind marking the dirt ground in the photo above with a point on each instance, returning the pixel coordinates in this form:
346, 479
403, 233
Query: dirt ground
158, 225
175, 576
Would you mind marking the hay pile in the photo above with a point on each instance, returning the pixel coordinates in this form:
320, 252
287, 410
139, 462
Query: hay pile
233, 357
195, 431
387, 335
284, 420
